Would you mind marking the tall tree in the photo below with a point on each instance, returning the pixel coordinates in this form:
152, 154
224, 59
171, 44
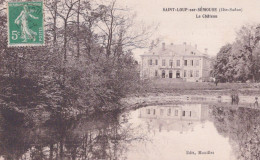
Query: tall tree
87, 62
222, 67
246, 44
239, 61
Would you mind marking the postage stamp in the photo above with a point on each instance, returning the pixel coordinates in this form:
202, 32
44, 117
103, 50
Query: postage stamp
25, 24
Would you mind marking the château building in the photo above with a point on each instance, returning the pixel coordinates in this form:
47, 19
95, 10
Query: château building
184, 62
180, 117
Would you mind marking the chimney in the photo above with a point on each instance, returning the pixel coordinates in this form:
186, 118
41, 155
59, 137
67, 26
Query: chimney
206, 50
196, 46
163, 46
184, 43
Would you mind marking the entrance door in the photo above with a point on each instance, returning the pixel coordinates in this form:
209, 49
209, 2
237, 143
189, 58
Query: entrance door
163, 74
178, 75
170, 74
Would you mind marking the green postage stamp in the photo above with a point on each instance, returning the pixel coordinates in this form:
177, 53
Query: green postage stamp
25, 24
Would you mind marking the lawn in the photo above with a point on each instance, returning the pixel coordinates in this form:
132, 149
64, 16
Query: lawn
169, 86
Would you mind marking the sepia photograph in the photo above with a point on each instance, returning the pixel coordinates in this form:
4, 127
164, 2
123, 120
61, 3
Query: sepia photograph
129, 80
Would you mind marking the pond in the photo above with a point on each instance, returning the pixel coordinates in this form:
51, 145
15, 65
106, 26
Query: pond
165, 132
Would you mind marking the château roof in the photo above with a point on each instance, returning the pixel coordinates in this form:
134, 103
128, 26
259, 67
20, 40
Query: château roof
172, 49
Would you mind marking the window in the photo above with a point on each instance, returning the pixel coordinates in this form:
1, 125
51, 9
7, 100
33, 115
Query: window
185, 62
169, 112
185, 73
178, 63
190, 113
156, 73
154, 111
161, 111
150, 62
197, 63
148, 111
156, 62
191, 73
171, 63
163, 74
170, 74
183, 113
197, 73
191, 62
176, 112
163, 62
178, 74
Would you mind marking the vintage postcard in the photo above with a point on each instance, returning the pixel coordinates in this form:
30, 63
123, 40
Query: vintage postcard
129, 79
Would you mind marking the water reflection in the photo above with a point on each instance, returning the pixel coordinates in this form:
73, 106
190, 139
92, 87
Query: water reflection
234, 99
256, 102
180, 118
97, 136
163, 132
242, 127
178, 131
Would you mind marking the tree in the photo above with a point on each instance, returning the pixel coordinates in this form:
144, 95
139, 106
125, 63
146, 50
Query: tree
239, 61
222, 68
241, 126
75, 71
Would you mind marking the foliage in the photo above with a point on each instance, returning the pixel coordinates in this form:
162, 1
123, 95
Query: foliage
87, 62
239, 61
222, 69
242, 127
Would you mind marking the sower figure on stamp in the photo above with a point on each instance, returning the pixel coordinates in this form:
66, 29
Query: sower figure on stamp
22, 20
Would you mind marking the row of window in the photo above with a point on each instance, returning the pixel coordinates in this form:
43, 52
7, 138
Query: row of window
169, 112
190, 73
185, 73
178, 62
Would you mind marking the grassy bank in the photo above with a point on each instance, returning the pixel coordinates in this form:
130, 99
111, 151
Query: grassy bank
199, 88
168, 92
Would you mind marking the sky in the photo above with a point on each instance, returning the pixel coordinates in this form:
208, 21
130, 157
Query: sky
179, 27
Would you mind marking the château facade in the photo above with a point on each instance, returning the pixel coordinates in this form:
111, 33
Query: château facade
184, 62
178, 117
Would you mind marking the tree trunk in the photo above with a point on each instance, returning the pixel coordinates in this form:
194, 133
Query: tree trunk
78, 31
51, 151
61, 150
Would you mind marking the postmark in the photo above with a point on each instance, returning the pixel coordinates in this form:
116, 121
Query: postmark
25, 24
